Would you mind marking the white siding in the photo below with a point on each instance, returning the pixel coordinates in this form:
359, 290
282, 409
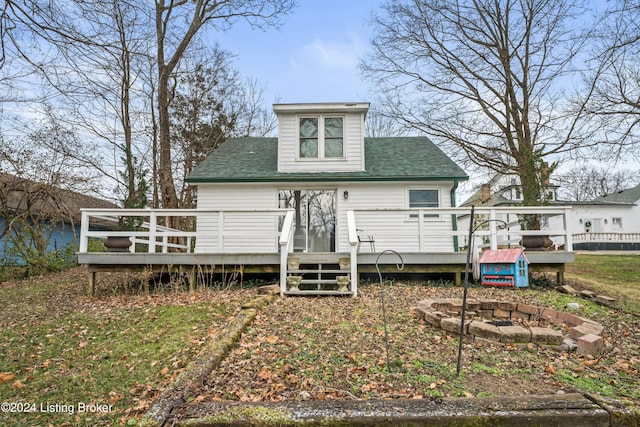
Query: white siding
250, 232
288, 160
393, 230
603, 215
244, 232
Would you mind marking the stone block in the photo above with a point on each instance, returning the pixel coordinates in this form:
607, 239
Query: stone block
485, 314
434, 317
605, 300
452, 324
546, 336
507, 306
489, 304
520, 315
484, 330
514, 334
549, 312
456, 306
587, 294
418, 312
590, 344
570, 319
568, 290
585, 329
426, 304
474, 305
529, 309
442, 305
504, 314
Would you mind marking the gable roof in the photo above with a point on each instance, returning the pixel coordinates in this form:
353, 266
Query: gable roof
491, 256
386, 159
630, 196
20, 195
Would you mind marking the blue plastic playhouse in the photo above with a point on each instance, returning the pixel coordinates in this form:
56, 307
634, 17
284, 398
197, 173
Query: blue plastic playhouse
504, 267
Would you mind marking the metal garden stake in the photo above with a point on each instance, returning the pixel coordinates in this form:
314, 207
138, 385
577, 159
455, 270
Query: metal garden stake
384, 311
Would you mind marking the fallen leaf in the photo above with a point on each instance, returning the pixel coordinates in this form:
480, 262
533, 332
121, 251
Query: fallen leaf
550, 369
272, 339
17, 385
265, 374
5, 377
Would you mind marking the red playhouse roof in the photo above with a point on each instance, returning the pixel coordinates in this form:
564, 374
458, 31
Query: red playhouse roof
502, 256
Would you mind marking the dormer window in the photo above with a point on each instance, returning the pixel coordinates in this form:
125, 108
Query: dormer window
321, 137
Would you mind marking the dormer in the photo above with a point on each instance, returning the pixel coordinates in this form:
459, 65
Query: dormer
321, 137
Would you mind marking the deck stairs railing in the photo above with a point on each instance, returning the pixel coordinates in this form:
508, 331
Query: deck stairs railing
326, 273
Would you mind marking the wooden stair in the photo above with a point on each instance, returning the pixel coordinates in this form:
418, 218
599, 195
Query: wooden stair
319, 275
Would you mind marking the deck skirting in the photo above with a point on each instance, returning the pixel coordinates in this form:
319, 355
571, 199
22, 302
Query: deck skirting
269, 263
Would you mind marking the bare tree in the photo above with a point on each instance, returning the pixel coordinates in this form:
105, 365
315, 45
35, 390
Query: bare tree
484, 77
379, 125
177, 23
615, 101
201, 118
586, 182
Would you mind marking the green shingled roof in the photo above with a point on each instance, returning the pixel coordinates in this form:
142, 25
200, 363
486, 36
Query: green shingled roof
386, 159
631, 195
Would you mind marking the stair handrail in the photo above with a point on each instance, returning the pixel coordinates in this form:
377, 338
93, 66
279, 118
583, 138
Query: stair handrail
286, 238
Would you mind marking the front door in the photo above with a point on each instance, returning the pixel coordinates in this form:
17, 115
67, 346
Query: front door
315, 218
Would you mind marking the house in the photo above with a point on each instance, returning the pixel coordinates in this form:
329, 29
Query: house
319, 204
321, 165
609, 222
604, 223
42, 216
505, 190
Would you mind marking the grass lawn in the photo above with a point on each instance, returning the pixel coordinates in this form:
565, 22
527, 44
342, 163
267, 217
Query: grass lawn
614, 275
61, 352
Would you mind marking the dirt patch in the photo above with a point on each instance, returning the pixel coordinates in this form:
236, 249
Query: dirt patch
333, 348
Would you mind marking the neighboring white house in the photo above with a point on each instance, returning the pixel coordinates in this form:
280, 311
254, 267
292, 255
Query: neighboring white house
605, 223
321, 165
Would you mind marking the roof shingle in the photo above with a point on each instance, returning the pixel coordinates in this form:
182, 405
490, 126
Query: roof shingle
386, 159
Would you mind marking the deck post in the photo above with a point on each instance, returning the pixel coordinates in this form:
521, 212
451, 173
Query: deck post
84, 228
192, 279
493, 236
91, 285
420, 230
353, 251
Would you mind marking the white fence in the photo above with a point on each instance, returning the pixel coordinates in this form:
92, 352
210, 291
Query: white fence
606, 237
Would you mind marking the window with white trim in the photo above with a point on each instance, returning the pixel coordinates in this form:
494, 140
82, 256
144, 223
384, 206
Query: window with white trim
616, 222
424, 198
321, 137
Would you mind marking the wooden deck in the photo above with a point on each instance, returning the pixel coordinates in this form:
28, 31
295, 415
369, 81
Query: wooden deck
260, 263
263, 241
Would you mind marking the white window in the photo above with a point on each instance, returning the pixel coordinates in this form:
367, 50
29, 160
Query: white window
616, 222
321, 137
424, 198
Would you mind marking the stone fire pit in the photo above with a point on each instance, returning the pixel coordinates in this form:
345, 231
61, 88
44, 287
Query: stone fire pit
514, 323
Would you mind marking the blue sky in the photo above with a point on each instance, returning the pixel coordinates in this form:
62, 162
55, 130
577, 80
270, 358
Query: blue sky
312, 57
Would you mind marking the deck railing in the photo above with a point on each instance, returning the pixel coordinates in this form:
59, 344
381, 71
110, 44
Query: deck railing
432, 229
607, 237
221, 231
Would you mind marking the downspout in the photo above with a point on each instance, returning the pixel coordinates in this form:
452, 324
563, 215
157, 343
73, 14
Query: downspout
454, 217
